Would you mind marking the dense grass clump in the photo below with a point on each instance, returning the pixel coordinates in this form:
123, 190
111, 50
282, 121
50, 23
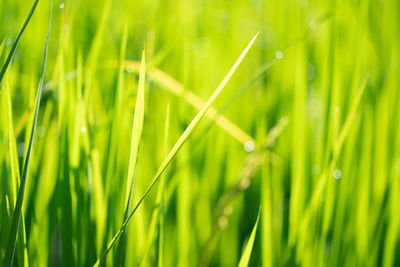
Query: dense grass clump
199, 133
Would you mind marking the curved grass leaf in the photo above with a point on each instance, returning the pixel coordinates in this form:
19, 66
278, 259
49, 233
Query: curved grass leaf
8, 258
182, 139
244, 260
16, 42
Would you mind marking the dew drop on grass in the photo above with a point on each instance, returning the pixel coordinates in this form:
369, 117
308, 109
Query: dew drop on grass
8, 42
223, 222
337, 174
61, 6
312, 25
249, 146
279, 54
83, 129
130, 69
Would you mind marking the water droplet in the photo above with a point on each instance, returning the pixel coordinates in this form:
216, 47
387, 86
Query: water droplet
223, 222
83, 129
8, 42
279, 54
249, 146
337, 174
130, 68
61, 6
312, 25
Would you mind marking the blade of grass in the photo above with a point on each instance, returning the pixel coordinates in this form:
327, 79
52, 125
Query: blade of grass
8, 258
158, 206
22, 252
137, 132
16, 42
244, 260
182, 139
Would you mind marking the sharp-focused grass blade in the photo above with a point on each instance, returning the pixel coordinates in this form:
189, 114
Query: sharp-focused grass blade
16, 42
182, 139
244, 260
8, 258
137, 131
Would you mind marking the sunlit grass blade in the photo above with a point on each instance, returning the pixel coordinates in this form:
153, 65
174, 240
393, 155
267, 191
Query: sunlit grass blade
244, 260
158, 208
137, 131
170, 84
182, 139
16, 42
8, 258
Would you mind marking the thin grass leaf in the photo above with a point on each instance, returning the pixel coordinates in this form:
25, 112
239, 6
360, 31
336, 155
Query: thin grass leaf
182, 139
350, 118
162, 194
244, 260
137, 132
8, 258
173, 86
158, 207
16, 42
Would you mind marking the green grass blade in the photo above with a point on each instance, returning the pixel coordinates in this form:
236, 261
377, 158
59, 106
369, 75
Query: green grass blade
162, 194
16, 42
182, 139
137, 131
158, 206
350, 118
8, 258
244, 260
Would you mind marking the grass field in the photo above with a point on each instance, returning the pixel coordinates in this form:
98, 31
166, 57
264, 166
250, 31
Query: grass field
199, 133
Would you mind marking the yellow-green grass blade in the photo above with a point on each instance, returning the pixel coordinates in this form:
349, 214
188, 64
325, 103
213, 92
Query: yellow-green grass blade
8, 258
244, 260
22, 252
16, 42
182, 139
137, 131
162, 194
2, 47
157, 214
350, 118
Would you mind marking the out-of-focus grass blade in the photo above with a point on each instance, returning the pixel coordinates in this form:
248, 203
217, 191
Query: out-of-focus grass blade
350, 117
173, 86
158, 208
16, 42
22, 252
182, 139
137, 131
2, 47
8, 258
244, 260
162, 195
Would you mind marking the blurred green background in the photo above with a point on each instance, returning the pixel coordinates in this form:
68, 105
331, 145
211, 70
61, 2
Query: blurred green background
318, 93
